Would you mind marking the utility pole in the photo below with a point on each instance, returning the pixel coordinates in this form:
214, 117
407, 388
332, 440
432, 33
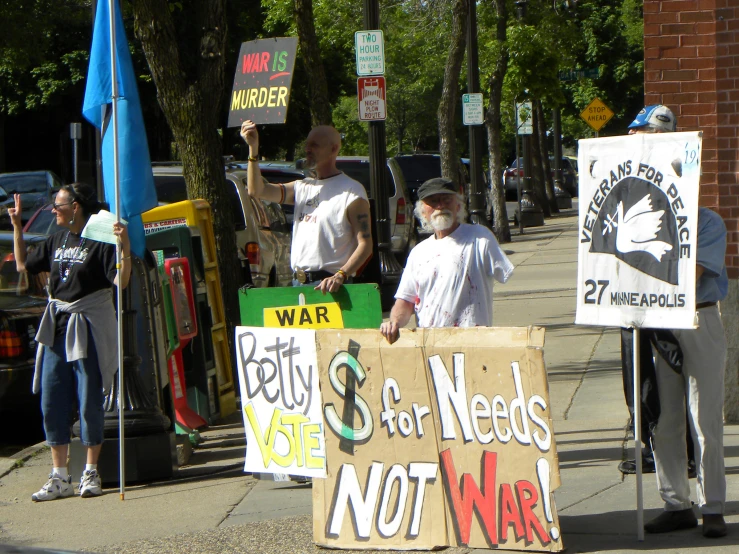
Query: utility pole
378, 164
477, 182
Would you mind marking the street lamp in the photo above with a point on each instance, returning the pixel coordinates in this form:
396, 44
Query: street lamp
520, 9
529, 213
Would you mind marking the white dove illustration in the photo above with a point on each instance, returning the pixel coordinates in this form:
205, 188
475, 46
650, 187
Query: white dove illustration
638, 229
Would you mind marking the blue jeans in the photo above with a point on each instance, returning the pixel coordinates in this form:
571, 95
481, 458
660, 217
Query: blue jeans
59, 379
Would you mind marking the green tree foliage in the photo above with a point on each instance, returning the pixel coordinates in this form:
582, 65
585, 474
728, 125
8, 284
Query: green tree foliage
43, 51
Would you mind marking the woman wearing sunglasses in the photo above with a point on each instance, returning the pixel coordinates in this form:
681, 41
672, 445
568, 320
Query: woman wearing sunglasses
77, 344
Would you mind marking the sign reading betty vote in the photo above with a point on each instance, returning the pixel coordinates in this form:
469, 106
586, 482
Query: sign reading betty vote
281, 401
261, 90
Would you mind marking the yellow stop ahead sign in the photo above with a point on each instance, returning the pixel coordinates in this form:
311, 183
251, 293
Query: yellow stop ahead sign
596, 114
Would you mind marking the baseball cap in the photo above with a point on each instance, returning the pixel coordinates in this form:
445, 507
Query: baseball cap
658, 116
437, 185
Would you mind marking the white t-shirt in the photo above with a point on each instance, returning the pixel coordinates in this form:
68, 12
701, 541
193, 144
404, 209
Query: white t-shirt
322, 234
450, 280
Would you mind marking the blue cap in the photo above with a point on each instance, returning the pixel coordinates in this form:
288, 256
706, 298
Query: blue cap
658, 116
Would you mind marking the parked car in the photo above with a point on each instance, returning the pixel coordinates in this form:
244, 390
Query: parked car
419, 168
277, 172
22, 301
400, 208
263, 236
43, 222
569, 177
35, 187
4, 205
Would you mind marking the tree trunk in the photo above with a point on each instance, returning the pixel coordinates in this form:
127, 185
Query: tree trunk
190, 103
501, 228
320, 107
537, 173
450, 94
2, 141
546, 166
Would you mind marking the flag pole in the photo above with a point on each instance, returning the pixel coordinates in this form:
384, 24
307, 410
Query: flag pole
118, 251
637, 436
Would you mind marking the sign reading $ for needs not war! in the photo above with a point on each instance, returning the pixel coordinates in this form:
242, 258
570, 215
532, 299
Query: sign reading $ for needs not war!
443, 438
281, 401
638, 226
261, 90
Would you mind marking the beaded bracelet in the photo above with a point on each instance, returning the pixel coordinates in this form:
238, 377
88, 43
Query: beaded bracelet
343, 274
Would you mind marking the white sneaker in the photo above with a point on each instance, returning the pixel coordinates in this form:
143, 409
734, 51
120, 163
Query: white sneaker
55, 487
90, 484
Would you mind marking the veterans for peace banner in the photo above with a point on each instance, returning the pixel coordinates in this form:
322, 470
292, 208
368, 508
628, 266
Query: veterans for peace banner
264, 73
638, 221
443, 438
281, 401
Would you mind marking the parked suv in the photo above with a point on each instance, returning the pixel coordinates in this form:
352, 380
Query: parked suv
263, 236
419, 168
35, 187
400, 208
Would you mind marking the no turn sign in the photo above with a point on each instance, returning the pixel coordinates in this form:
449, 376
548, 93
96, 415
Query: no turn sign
371, 97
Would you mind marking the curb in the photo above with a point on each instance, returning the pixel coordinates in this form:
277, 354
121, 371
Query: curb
9, 464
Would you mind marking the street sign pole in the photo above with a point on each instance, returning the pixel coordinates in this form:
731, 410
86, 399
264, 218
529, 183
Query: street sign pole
477, 189
378, 154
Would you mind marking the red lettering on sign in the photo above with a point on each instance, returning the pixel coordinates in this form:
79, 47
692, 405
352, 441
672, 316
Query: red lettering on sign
529, 518
468, 496
509, 514
265, 61
249, 62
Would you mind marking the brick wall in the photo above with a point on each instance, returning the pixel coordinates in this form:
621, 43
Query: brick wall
691, 55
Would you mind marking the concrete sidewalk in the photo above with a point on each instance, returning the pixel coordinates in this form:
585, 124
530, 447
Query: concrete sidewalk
212, 507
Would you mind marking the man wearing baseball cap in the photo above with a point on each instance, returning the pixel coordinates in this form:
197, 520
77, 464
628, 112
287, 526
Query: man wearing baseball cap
448, 279
654, 119
698, 382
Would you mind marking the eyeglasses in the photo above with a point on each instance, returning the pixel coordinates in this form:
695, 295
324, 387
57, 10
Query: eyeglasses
57, 206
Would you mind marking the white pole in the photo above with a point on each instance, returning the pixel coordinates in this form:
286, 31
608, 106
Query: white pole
118, 252
637, 438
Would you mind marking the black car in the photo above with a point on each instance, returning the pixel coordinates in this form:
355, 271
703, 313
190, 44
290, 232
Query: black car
22, 301
35, 187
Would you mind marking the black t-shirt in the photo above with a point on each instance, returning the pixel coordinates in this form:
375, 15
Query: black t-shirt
77, 267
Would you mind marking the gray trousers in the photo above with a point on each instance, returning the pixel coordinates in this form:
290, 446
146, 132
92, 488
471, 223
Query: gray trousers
702, 380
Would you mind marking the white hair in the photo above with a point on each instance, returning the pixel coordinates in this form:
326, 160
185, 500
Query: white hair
426, 225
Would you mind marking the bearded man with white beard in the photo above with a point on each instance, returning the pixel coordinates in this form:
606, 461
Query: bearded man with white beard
448, 279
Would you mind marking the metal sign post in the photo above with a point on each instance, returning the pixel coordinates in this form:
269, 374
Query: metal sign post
75, 133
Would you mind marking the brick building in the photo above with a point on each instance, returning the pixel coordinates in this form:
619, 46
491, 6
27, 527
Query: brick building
691, 64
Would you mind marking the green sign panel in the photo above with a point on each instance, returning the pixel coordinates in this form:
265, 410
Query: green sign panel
359, 304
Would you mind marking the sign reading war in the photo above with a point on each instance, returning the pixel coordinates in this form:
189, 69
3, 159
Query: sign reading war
264, 73
638, 226
441, 439
281, 401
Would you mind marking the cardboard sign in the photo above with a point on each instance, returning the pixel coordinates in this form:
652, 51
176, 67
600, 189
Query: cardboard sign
638, 230
313, 316
264, 73
441, 439
281, 401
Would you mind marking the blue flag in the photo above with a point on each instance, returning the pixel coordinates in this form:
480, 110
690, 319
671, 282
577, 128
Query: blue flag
136, 182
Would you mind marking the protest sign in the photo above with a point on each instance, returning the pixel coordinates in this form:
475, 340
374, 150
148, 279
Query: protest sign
261, 90
443, 438
281, 401
638, 230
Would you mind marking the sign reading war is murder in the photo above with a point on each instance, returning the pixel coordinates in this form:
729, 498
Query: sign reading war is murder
638, 226
281, 401
441, 439
261, 90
